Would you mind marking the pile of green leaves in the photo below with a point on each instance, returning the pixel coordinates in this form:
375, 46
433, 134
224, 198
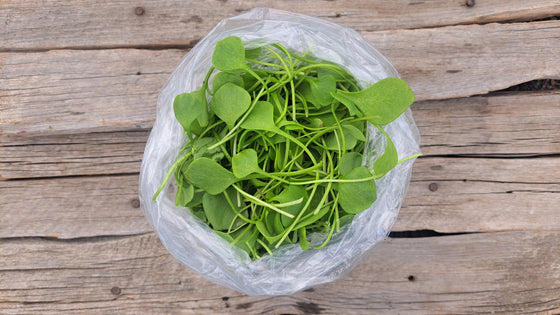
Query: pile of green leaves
277, 152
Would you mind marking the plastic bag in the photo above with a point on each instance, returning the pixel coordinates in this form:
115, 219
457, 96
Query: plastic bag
290, 269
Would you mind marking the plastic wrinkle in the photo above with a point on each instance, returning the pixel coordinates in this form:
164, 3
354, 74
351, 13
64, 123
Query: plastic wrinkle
290, 269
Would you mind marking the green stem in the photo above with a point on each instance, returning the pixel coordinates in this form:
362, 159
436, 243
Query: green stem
169, 173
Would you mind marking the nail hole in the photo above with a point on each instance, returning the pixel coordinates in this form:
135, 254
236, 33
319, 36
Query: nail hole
433, 187
116, 290
138, 73
135, 203
139, 11
470, 3
411, 278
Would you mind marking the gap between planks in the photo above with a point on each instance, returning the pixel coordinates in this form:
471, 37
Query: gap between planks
82, 23
507, 272
443, 63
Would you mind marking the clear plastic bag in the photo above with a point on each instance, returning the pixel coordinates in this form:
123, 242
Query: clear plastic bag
290, 269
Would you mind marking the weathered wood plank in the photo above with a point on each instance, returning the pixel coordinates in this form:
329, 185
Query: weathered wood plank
55, 91
506, 125
94, 153
509, 272
503, 124
474, 59
471, 195
457, 194
116, 23
71, 207
100, 89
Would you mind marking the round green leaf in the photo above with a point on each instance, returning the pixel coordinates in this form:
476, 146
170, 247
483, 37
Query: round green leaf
229, 54
188, 107
245, 163
357, 197
230, 102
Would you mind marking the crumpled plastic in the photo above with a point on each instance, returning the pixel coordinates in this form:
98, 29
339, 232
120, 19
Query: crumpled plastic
290, 269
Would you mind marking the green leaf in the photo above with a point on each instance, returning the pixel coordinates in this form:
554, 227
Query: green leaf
303, 242
245, 163
196, 200
230, 102
388, 160
355, 132
312, 218
321, 89
268, 235
386, 99
209, 175
229, 55
346, 219
200, 149
334, 141
348, 162
291, 193
185, 193
358, 196
260, 118
352, 109
188, 107
253, 53
218, 211
200, 214
225, 77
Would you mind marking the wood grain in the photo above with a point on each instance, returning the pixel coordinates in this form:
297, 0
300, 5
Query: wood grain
509, 272
71, 207
472, 195
50, 92
66, 90
504, 124
458, 194
510, 125
173, 22
458, 61
93, 153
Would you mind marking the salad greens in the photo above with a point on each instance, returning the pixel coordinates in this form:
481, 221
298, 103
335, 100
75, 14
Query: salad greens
276, 154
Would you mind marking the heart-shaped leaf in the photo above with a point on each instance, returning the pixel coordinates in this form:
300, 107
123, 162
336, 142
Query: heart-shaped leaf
210, 176
229, 54
387, 99
188, 107
260, 118
230, 102
245, 163
355, 197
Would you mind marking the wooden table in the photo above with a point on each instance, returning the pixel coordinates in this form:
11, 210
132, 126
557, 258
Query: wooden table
78, 87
